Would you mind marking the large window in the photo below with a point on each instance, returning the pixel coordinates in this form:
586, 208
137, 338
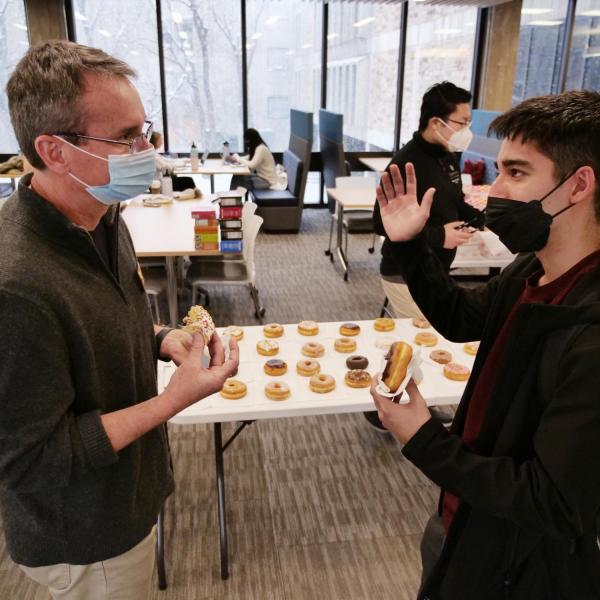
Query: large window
541, 41
128, 31
284, 64
203, 73
13, 44
584, 64
439, 47
362, 70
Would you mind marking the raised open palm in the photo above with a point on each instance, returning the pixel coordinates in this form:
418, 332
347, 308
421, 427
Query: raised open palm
401, 214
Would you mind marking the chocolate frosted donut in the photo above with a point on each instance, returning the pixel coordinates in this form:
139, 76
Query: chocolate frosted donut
349, 329
357, 362
275, 366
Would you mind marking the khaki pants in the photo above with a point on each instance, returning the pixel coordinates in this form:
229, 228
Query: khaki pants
402, 303
124, 577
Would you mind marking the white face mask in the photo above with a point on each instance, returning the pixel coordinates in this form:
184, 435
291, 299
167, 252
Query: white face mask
130, 175
459, 140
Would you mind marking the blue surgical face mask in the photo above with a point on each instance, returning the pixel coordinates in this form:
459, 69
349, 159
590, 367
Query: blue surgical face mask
130, 175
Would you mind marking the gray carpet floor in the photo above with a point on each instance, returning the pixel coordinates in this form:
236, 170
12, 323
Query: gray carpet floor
319, 507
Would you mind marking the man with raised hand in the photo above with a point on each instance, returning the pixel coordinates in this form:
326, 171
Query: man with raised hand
520, 467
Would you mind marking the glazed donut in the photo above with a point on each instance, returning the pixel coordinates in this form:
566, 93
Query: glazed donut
233, 389
456, 372
357, 378
357, 362
471, 348
275, 367
426, 339
277, 390
384, 324
321, 383
313, 349
443, 357
384, 342
267, 347
234, 331
308, 328
344, 345
398, 359
349, 329
307, 367
198, 320
420, 323
273, 330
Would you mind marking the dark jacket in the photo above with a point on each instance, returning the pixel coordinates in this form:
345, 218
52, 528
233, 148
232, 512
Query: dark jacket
438, 168
77, 341
527, 526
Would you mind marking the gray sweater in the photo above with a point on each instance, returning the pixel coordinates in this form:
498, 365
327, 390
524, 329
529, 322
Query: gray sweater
77, 341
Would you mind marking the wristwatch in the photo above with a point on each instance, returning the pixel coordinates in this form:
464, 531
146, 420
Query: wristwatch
160, 336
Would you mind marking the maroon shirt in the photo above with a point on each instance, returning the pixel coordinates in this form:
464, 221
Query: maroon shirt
551, 293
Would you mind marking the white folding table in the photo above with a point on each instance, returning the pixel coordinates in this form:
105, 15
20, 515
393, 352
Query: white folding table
212, 167
436, 389
376, 163
349, 198
167, 231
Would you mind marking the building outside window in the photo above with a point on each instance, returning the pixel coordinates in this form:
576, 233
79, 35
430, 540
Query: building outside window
128, 31
362, 71
439, 47
541, 40
284, 64
584, 63
203, 73
13, 44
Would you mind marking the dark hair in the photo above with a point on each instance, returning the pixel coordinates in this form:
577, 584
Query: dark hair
440, 100
564, 127
252, 140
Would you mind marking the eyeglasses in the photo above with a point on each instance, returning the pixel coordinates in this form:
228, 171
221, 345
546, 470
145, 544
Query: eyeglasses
135, 144
461, 123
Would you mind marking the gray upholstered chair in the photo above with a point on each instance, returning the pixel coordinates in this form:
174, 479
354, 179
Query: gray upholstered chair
282, 209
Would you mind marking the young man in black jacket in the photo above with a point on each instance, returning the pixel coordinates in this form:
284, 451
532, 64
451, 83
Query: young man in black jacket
520, 468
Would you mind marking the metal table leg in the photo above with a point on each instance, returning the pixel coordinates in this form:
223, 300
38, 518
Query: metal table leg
340, 235
221, 501
160, 552
220, 479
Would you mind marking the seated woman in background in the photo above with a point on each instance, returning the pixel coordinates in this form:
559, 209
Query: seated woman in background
166, 166
261, 163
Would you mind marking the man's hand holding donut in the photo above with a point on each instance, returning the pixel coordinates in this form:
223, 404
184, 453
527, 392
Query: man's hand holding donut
192, 382
401, 214
403, 420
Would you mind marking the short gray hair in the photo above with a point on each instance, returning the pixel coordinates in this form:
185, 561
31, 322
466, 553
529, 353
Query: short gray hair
45, 88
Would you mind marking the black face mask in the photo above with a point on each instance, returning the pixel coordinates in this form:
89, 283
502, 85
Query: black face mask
521, 226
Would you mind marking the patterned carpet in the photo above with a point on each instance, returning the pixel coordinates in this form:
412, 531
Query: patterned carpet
318, 507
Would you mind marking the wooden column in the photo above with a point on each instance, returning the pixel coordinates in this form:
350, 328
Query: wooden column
501, 56
46, 20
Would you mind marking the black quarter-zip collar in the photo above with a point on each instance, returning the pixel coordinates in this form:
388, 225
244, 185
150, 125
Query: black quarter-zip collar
435, 150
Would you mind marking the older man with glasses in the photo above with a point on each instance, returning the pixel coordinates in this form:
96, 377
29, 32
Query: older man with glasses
84, 464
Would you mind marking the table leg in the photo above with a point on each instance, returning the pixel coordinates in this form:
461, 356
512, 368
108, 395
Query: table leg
220, 475
340, 234
160, 552
172, 289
